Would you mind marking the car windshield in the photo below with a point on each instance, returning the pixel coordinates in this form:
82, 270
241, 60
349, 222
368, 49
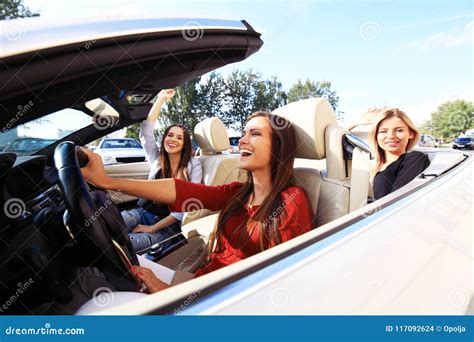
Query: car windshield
28, 138
120, 143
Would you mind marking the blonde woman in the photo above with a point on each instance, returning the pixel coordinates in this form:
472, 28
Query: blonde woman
392, 136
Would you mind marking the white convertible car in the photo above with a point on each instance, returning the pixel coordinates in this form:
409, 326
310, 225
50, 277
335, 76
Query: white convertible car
410, 252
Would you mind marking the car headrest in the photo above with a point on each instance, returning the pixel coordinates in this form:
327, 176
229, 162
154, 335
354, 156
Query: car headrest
310, 119
211, 136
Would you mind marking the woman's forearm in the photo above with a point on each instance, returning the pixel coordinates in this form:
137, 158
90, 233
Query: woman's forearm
156, 109
158, 190
168, 220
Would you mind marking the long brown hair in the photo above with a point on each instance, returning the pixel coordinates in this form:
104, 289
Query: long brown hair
270, 213
182, 171
380, 157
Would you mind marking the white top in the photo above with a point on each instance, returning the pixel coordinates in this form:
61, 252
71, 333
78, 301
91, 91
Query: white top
152, 151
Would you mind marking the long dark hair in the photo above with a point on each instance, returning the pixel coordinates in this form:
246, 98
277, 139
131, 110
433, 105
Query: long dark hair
270, 213
182, 171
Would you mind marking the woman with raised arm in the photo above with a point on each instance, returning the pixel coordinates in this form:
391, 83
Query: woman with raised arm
153, 222
256, 215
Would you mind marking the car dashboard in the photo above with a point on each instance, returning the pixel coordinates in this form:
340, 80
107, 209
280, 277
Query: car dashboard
32, 184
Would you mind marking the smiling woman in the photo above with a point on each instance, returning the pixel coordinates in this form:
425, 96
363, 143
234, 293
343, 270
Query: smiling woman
392, 136
261, 213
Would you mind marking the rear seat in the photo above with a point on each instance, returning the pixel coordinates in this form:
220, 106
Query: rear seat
217, 168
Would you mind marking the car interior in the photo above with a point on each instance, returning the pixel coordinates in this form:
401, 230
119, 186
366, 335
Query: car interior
332, 165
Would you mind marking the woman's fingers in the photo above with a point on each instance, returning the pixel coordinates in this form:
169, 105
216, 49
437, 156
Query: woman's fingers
141, 229
167, 93
148, 277
93, 172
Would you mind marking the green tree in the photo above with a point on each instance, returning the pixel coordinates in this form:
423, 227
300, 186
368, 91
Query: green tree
450, 119
239, 87
245, 93
211, 95
183, 107
11, 9
268, 95
133, 131
309, 89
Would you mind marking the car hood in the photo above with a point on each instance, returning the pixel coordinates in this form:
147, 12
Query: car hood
50, 67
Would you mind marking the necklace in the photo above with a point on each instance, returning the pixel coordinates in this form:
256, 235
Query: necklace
251, 200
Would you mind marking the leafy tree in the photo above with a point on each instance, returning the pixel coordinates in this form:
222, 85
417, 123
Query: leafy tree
11, 9
183, 107
308, 89
211, 96
450, 119
133, 131
245, 93
238, 98
268, 95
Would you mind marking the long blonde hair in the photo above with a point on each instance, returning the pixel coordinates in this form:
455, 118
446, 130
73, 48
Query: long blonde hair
380, 157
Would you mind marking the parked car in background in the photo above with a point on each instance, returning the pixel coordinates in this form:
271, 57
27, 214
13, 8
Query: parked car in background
120, 150
234, 145
463, 142
27, 146
427, 140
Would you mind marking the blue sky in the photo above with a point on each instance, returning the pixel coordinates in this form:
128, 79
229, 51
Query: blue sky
410, 54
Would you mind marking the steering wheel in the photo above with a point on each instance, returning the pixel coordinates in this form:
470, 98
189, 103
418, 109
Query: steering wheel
94, 222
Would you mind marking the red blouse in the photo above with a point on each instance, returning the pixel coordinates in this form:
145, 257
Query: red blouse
298, 219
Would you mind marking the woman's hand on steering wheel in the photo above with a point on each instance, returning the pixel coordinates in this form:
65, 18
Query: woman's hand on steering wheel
94, 172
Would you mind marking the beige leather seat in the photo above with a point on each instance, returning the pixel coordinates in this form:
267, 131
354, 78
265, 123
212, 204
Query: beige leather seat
319, 137
211, 136
217, 168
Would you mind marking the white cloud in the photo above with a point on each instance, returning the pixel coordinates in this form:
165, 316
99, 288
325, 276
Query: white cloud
463, 36
418, 112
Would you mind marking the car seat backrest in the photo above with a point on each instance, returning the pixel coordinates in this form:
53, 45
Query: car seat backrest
318, 136
211, 136
217, 168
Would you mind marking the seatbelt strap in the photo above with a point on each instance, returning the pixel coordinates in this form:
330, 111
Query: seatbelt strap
359, 179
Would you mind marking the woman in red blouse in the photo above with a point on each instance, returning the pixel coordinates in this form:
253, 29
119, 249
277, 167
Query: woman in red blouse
262, 212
